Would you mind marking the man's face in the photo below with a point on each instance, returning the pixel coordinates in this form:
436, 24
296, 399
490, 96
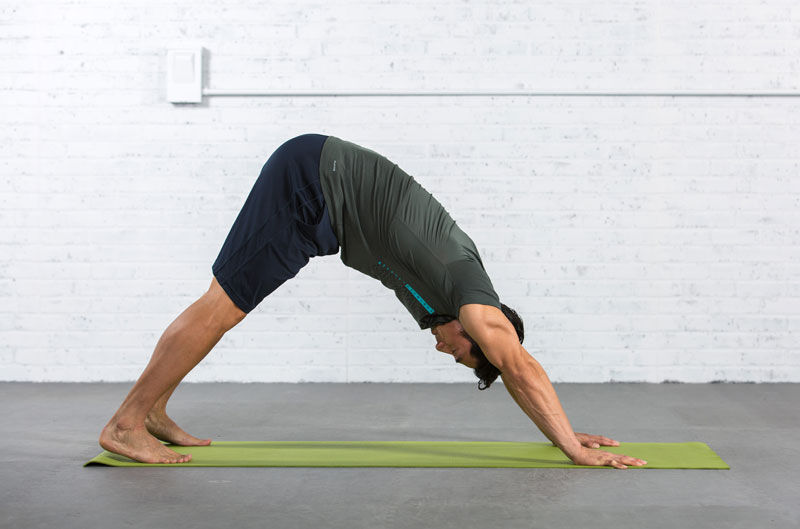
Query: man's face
451, 339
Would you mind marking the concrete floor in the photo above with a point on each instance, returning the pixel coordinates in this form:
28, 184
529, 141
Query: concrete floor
50, 430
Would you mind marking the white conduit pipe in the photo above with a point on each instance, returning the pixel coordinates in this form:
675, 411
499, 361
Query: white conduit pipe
423, 93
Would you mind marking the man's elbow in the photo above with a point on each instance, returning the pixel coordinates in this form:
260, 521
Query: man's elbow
518, 365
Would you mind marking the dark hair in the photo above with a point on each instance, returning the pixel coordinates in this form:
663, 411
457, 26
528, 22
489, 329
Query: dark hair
485, 371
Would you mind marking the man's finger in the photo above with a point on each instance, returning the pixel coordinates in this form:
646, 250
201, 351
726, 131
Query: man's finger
602, 440
633, 461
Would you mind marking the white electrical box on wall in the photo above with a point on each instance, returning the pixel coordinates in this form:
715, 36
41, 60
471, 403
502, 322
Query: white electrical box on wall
185, 74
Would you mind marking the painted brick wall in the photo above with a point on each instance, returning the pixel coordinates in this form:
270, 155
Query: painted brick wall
641, 238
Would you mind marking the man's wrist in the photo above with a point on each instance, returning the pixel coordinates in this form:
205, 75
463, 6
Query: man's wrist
571, 449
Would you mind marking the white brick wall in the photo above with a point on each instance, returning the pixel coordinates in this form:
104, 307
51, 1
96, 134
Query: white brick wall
640, 238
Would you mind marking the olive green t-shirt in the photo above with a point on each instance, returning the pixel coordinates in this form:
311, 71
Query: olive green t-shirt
390, 228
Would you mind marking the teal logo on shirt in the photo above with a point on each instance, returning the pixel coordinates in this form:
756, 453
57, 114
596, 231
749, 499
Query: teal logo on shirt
408, 287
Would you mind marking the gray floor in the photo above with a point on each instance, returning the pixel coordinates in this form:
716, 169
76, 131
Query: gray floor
50, 430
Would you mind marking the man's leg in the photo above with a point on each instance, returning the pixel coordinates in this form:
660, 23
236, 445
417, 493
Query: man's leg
183, 345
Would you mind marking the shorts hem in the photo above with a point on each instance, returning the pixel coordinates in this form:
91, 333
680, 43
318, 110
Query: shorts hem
233, 295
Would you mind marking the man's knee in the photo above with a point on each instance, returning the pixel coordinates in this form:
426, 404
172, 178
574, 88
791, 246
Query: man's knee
225, 312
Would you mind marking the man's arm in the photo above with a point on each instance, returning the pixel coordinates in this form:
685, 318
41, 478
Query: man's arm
528, 384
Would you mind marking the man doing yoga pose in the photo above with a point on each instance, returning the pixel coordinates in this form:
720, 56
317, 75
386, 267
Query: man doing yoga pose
315, 195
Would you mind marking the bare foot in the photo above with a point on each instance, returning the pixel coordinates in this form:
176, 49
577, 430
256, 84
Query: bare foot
164, 428
138, 445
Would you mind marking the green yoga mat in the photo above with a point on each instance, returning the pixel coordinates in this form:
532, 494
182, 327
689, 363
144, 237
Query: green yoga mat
417, 454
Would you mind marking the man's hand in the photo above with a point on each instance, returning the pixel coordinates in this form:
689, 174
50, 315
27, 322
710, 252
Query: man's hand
595, 441
599, 457
588, 456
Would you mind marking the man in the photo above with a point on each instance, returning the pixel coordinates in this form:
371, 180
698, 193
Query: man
314, 195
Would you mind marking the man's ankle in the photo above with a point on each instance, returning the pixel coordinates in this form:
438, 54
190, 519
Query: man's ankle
123, 423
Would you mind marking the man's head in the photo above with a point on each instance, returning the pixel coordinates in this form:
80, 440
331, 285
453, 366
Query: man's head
451, 338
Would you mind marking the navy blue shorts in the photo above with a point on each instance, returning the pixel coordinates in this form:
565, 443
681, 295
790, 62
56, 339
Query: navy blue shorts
283, 223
